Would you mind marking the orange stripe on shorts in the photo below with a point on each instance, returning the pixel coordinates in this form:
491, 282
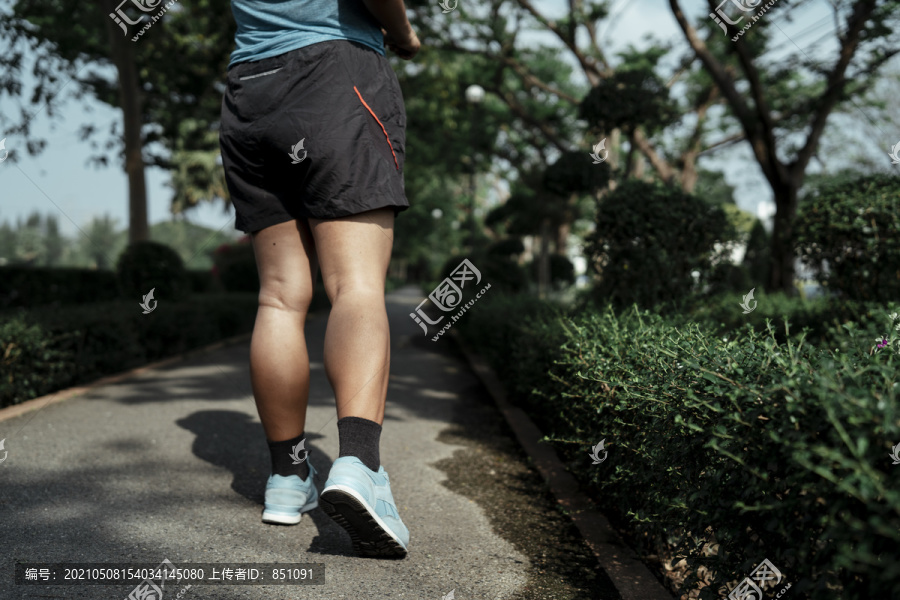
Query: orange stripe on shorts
371, 112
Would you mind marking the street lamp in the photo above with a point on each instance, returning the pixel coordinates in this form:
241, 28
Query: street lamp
474, 96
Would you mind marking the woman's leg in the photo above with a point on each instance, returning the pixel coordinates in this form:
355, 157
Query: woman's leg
279, 362
353, 253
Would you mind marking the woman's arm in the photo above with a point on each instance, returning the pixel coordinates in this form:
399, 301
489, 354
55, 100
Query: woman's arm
398, 33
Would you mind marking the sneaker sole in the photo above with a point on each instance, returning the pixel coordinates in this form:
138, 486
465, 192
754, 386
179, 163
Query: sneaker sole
370, 535
283, 519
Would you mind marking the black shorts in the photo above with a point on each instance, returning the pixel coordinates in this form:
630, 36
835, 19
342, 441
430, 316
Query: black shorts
316, 132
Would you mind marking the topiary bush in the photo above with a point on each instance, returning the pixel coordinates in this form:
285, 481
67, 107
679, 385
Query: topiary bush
235, 266
628, 99
35, 286
33, 362
575, 172
742, 446
148, 265
500, 271
44, 351
855, 227
562, 271
648, 240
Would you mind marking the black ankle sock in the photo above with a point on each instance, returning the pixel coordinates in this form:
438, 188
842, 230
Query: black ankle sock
283, 457
360, 438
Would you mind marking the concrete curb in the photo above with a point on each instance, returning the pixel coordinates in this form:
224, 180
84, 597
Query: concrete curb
38, 403
630, 576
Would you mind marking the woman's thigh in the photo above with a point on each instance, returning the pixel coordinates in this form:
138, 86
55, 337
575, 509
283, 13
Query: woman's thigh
354, 252
286, 261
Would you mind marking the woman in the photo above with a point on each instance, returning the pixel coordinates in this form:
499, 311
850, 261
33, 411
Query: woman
312, 137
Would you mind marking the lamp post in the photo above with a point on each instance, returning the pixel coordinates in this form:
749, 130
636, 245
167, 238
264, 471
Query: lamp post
474, 96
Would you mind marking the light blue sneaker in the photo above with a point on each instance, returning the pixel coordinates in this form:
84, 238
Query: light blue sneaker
287, 498
360, 501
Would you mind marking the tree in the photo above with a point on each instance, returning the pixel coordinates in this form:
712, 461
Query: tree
155, 91
775, 105
102, 244
54, 242
29, 240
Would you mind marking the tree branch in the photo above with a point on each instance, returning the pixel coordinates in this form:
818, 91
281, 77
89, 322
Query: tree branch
659, 164
521, 70
727, 86
526, 117
836, 83
588, 64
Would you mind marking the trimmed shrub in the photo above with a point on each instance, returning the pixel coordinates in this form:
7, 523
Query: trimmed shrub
507, 248
147, 265
728, 277
562, 271
855, 227
723, 314
36, 286
235, 266
33, 361
202, 282
756, 259
501, 272
575, 172
648, 240
44, 351
768, 450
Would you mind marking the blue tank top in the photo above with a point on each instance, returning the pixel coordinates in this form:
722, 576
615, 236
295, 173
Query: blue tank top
267, 28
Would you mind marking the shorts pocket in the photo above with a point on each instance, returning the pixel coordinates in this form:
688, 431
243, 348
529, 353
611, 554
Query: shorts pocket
263, 74
255, 90
377, 128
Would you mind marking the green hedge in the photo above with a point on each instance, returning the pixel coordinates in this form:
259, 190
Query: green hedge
147, 265
723, 313
22, 286
775, 451
855, 227
44, 351
649, 239
33, 286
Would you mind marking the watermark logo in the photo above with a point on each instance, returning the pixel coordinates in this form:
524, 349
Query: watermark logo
596, 154
445, 4
751, 588
746, 303
6, 452
450, 596
448, 295
595, 452
3, 148
894, 154
721, 18
895, 456
295, 149
144, 6
121, 18
295, 452
146, 303
148, 588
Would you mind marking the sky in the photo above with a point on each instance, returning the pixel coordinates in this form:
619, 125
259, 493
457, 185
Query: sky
59, 180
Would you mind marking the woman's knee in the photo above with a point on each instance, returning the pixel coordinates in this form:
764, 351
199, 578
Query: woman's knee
352, 288
285, 295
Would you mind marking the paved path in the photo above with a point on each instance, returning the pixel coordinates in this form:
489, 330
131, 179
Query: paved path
171, 464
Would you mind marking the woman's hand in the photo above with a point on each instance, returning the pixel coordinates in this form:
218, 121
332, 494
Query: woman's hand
406, 46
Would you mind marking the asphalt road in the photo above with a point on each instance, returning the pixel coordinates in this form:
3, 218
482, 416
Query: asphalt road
171, 465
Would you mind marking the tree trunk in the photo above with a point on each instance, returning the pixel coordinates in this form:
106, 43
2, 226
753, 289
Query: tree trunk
544, 260
781, 265
122, 54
